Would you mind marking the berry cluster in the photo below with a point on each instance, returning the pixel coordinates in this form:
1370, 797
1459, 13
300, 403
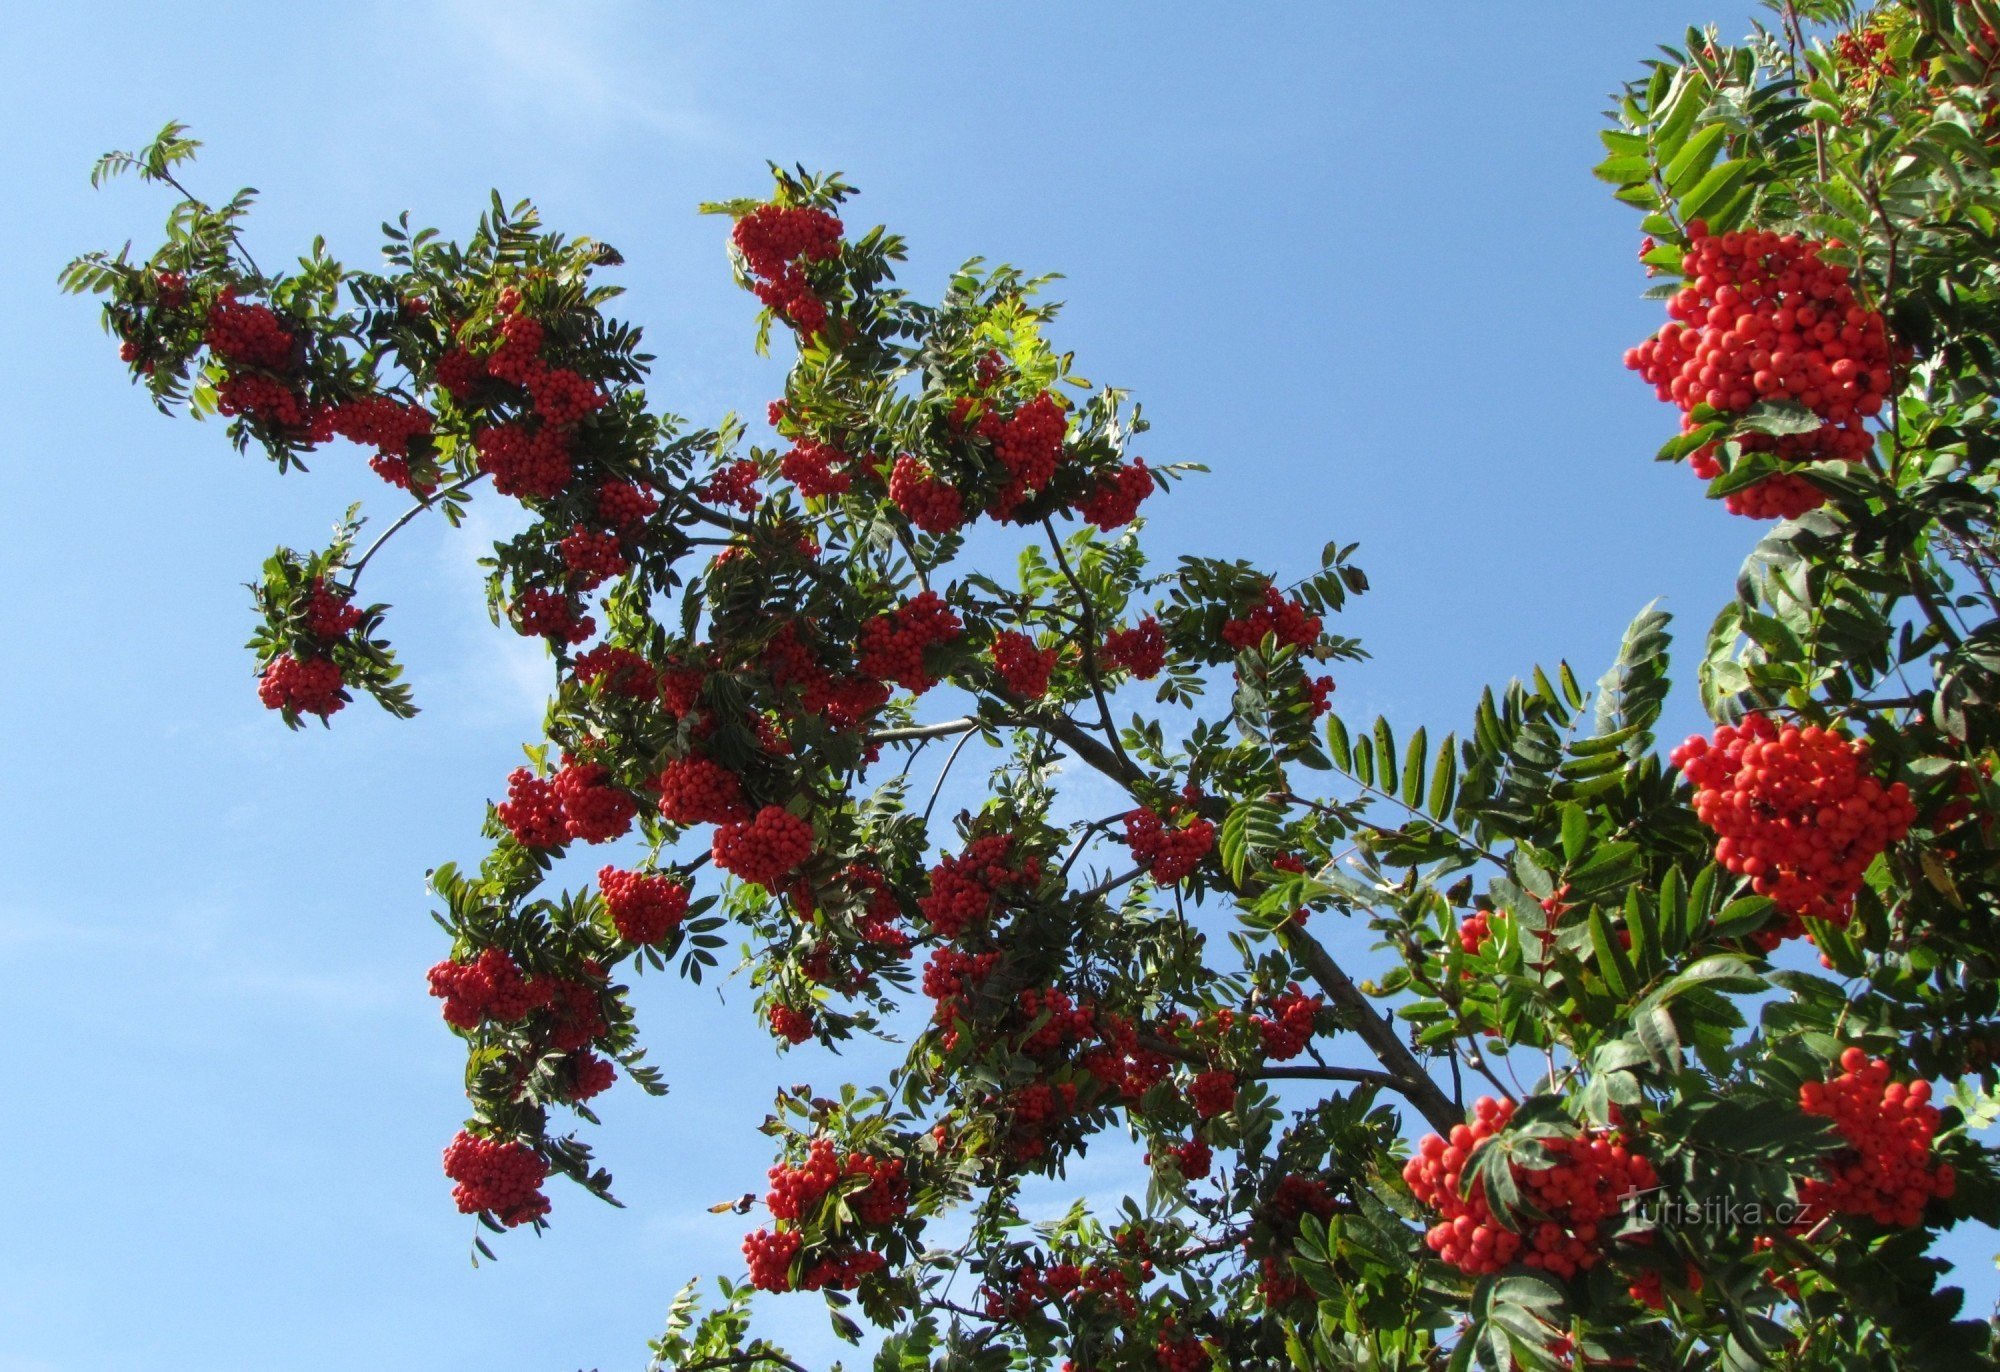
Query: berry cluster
1212, 1093
734, 483
593, 557
694, 790
963, 887
1168, 851
303, 686
620, 671
490, 987
1289, 1027
817, 469
793, 1026
530, 463
891, 647
544, 612
774, 239
1115, 500
1762, 318
1796, 811
1577, 1196
1274, 615
1028, 444
766, 849
594, 809
933, 505
1140, 650
532, 812
248, 335
501, 1178
1886, 1173
1024, 668
644, 906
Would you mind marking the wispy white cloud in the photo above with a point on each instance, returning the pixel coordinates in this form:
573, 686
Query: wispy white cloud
576, 74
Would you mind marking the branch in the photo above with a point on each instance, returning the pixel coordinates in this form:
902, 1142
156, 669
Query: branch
1087, 631
743, 1360
423, 503
1365, 1075
1378, 1032
913, 732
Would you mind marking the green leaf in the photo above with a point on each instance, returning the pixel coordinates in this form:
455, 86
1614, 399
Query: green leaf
1694, 159
1416, 760
1611, 961
1385, 754
1338, 744
1714, 188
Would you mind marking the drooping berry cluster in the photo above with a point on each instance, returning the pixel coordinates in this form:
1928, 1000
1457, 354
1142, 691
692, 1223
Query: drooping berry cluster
1028, 444
305, 686
774, 239
1276, 615
501, 1177
1140, 650
1886, 1173
1169, 851
1115, 500
933, 505
1579, 1195
1288, 1028
1024, 668
1797, 811
595, 810
490, 987
645, 906
891, 647
694, 790
1212, 1093
965, 886
795, 1200
817, 469
766, 849
1763, 318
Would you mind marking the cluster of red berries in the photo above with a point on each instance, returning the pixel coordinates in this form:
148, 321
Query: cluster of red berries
645, 907
385, 424
1577, 1196
502, 1178
1115, 500
1192, 1158
578, 802
248, 335
1762, 318
765, 849
625, 505
530, 463
1863, 56
1886, 1173
1186, 1354
1024, 668
622, 671
1028, 444
594, 809
891, 647
773, 240
1649, 1288
734, 483
1140, 650
306, 686
694, 790
1797, 811
1212, 1093
490, 987
1168, 851
964, 886
1289, 1027
1274, 615
817, 469
793, 1026
933, 505
1032, 1287
593, 557
544, 612
796, 1192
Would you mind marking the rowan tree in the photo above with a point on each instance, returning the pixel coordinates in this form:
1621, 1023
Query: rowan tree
1664, 1057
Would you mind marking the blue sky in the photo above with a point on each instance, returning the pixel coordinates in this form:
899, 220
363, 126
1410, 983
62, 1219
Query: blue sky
1349, 256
